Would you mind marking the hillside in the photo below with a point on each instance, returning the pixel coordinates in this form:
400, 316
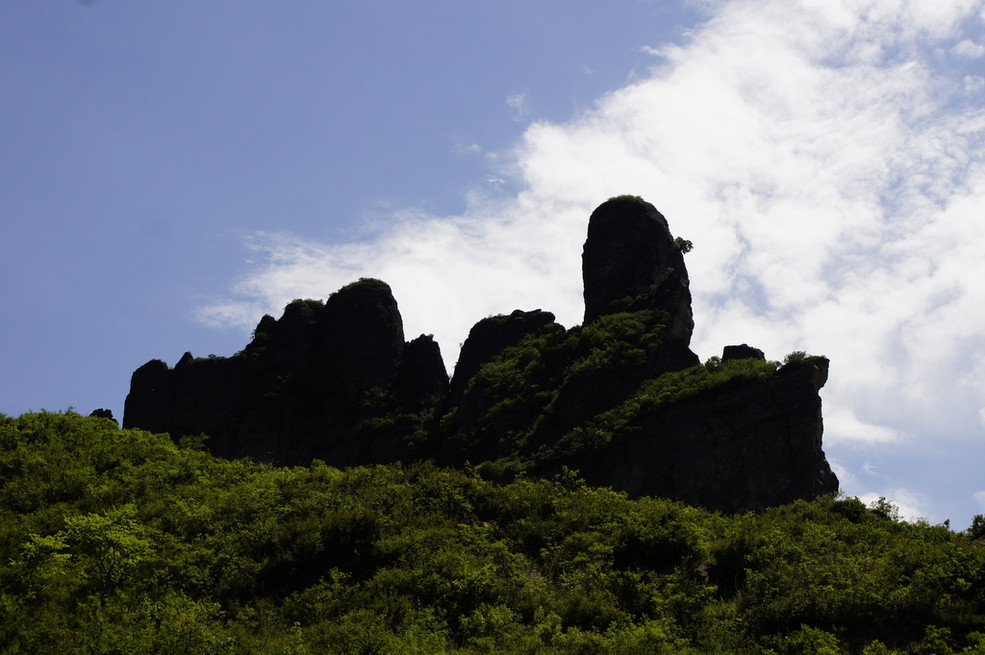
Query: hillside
620, 398
121, 541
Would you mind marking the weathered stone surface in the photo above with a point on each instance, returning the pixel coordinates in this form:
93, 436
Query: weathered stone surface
151, 398
421, 380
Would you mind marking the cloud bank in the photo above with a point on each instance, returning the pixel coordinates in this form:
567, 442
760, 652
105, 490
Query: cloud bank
825, 158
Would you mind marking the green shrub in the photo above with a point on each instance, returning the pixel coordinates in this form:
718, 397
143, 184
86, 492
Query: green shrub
683, 246
796, 357
630, 198
120, 541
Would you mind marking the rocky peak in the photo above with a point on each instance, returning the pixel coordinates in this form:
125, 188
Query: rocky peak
357, 333
490, 336
742, 351
299, 389
631, 262
620, 398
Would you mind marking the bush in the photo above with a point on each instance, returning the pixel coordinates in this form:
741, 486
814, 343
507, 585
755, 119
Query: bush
120, 541
683, 246
796, 357
977, 528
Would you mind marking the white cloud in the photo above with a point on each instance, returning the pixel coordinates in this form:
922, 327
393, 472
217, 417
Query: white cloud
841, 425
912, 505
463, 146
980, 499
811, 152
845, 474
968, 49
517, 102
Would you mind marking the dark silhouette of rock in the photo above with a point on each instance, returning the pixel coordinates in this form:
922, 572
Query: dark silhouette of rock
491, 336
336, 381
150, 403
421, 380
302, 388
103, 413
630, 262
743, 351
744, 448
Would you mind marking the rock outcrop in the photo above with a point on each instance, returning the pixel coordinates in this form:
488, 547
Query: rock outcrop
621, 398
742, 351
490, 336
630, 263
751, 446
306, 387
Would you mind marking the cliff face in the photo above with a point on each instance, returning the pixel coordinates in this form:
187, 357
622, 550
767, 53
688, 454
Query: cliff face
631, 262
621, 398
755, 445
306, 386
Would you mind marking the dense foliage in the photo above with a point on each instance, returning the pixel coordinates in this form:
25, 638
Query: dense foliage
559, 395
537, 387
120, 541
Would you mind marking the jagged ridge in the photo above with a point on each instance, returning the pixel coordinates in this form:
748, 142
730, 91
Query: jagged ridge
621, 398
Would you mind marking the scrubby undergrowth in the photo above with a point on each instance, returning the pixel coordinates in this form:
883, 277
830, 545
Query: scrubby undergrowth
120, 541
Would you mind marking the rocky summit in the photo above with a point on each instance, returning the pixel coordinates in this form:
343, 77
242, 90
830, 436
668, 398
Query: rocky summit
621, 398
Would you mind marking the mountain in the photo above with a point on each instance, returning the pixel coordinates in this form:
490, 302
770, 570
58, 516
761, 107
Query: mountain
620, 398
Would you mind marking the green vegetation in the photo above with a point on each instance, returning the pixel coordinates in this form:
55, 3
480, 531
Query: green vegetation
120, 541
628, 197
554, 382
683, 246
666, 389
538, 387
798, 357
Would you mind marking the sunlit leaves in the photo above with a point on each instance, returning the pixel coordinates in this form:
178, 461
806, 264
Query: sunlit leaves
139, 546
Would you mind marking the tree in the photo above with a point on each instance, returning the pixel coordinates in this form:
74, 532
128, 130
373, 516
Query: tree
683, 245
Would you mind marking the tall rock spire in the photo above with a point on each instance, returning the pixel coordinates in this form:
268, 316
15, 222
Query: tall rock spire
631, 262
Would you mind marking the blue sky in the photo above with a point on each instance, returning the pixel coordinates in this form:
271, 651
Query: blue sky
171, 171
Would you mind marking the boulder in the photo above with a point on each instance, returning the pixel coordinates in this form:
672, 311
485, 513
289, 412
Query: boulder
743, 351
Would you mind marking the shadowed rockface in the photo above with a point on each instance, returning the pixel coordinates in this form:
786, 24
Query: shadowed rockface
621, 398
306, 386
